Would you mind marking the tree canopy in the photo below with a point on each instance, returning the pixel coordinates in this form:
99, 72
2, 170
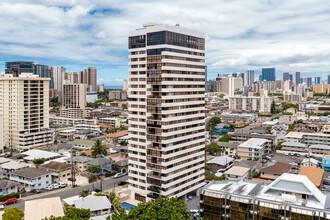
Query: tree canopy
161, 208
213, 122
213, 148
94, 169
12, 214
38, 161
85, 192
99, 148
225, 138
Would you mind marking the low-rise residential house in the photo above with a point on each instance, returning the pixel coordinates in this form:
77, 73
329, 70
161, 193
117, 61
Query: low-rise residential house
314, 174
220, 164
274, 171
326, 163
258, 130
230, 148
8, 187
104, 163
114, 122
306, 162
30, 155
122, 164
294, 147
32, 178
80, 162
319, 150
11, 166
61, 171
241, 137
308, 138
253, 149
114, 137
60, 148
82, 144
287, 118
98, 205
237, 173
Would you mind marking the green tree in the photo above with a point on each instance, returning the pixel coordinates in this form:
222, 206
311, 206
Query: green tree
85, 192
123, 127
38, 161
213, 122
72, 213
94, 169
273, 107
99, 148
210, 177
278, 146
161, 208
213, 148
207, 166
123, 143
92, 178
232, 127
12, 214
225, 138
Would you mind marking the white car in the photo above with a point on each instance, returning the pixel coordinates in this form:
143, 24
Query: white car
56, 185
49, 187
62, 185
119, 175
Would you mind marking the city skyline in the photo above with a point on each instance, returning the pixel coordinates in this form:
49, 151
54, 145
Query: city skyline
250, 35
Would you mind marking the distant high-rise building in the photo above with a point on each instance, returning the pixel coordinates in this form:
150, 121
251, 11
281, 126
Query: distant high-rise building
166, 112
328, 79
309, 81
211, 86
89, 77
71, 77
298, 79
268, 74
24, 107
18, 67
229, 85
287, 76
44, 71
74, 101
317, 80
59, 77
100, 88
125, 84
250, 77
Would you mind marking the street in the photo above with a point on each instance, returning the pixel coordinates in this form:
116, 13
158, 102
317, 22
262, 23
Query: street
68, 192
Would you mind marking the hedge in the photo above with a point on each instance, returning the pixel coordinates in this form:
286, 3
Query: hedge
4, 198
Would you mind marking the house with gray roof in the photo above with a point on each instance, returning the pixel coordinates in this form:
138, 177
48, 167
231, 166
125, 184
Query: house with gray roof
104, 163
8, 187
98, 205
220, 164
32, 178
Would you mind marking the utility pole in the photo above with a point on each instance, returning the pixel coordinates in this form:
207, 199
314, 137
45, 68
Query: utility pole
73, 176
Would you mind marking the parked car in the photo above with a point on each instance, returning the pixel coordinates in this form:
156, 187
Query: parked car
122, 183
49, 187
326, 182
62, 185
56, 186
9, 201
36, 191
120, 175
96, 190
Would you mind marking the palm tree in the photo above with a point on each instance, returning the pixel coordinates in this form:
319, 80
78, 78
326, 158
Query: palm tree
99, 148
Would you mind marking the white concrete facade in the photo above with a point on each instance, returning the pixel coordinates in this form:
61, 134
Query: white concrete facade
260, 104
166, 112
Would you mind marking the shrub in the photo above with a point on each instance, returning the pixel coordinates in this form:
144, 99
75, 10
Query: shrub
4, 198
108, 174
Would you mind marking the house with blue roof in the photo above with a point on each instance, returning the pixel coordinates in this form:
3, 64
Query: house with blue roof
326, 163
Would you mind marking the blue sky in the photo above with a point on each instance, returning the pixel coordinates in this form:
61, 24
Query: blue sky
289, 35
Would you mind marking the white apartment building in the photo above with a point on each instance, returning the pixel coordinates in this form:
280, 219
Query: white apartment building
166, 111
24, 106
114, 122
1, 134
260, 104
59, 77
32, 178
74, 101
253, 149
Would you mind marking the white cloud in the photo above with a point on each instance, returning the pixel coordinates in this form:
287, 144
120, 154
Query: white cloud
290, 35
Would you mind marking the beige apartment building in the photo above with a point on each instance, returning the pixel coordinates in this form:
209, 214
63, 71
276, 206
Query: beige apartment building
24, 106
1, 134
74, 101
260, 104
166, 111
321, 88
